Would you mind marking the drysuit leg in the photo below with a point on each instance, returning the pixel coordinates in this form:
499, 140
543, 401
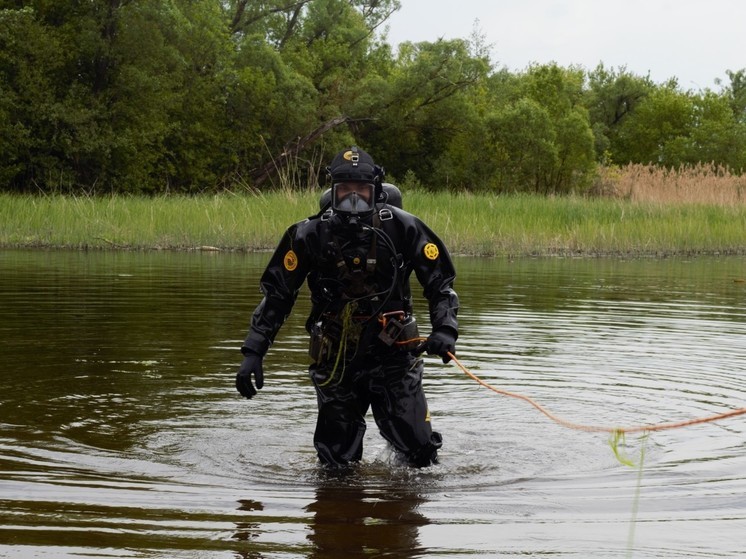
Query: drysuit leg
340, 425
401, 413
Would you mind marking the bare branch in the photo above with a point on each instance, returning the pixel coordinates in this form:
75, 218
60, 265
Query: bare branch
291, 150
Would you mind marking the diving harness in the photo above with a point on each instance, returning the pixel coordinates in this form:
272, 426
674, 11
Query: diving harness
342, 337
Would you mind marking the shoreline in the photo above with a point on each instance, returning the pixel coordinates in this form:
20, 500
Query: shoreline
549, 253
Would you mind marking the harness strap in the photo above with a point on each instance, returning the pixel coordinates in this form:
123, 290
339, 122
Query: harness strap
352, 269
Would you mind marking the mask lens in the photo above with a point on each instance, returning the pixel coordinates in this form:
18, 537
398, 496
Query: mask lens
353, 197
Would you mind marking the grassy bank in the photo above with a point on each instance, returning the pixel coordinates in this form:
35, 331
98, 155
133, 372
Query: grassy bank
469, 224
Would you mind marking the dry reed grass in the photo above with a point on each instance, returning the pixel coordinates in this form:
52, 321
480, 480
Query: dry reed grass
698, 184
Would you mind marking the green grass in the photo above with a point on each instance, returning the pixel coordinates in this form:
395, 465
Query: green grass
469, 224
535, 225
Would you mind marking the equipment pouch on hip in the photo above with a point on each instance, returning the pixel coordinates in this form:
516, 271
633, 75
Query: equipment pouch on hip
401, 331
328, 335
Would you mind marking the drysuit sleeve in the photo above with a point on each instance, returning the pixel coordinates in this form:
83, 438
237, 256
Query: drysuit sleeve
435, 272
280, 284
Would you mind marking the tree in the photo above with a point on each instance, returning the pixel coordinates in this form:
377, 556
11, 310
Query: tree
178, 95
735, 92
108, 92
657, 130
51, 124
716, 136
327, 65
611, 97
28, 60
674, 128
523, 142
541, 138
422, 105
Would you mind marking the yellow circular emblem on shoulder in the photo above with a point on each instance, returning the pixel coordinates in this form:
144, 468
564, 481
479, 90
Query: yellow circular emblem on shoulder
291, 261
431, 251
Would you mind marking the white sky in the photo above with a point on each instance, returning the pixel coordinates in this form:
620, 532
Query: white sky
695, 41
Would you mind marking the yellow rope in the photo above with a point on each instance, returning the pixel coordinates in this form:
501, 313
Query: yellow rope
342, 350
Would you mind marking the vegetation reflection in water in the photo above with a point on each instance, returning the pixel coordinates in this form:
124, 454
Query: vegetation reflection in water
122, 434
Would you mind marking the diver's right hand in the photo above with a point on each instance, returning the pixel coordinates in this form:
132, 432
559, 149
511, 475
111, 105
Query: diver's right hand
252, 363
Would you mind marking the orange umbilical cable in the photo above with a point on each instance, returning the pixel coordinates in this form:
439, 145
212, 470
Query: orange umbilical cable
597, 428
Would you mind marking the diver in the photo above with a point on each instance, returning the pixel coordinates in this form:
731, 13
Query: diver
357, 255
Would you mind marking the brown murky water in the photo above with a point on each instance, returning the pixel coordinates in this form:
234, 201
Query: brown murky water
121, 434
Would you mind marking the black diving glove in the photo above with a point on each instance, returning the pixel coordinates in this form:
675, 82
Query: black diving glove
441, 341
252, 363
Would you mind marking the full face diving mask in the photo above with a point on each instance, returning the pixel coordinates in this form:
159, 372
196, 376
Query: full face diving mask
353, 198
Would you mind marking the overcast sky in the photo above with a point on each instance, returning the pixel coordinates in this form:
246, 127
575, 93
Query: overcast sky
695, 41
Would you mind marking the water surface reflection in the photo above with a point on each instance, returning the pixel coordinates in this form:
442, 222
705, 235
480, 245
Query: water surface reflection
351, 520
121, 433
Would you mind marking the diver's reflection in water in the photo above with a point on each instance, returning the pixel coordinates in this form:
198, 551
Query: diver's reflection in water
350, 520
247, 531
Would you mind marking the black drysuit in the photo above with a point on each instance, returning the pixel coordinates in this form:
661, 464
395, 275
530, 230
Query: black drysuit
358, 277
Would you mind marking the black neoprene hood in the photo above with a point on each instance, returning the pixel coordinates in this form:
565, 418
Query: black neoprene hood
354, 164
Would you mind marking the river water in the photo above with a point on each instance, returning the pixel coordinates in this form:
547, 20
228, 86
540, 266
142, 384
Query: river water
122, 434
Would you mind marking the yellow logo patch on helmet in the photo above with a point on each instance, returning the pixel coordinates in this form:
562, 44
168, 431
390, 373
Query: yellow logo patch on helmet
290, 261
348, 155
431, 251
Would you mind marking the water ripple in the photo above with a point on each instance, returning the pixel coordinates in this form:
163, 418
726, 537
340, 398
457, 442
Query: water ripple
122, 435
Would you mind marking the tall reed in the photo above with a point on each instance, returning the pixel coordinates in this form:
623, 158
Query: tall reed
695, 184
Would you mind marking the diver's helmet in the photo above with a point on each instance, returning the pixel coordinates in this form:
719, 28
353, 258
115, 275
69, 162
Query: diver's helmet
356, 183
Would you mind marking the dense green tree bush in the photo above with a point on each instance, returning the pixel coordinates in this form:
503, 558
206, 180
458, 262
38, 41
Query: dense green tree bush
148, 96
